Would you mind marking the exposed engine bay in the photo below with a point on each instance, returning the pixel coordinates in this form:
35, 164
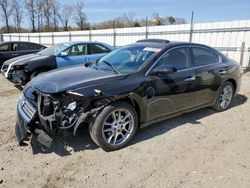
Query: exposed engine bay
62, 112
65, 112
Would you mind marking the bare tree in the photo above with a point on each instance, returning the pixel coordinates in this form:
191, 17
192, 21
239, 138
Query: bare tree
55, 8
65, 15
17, 14
129, 18
6, 7
80, 17
32, 11
47, 11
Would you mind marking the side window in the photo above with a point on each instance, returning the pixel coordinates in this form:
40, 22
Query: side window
23, 46
5, 47
98, 49
8, 47
79, 49
203, 56
37, 47
177, 57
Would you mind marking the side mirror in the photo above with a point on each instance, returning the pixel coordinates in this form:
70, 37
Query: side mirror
63, 54
164, 69
89, 63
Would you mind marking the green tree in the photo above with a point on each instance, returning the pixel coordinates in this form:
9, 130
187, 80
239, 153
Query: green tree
171, 20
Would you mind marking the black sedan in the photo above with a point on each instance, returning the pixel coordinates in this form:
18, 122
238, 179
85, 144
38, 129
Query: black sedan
130, 88
12, 49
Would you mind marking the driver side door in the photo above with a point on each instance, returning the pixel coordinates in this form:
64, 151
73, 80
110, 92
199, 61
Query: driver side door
72, 56
173, 92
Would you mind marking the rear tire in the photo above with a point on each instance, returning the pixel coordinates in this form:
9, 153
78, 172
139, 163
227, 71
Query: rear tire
225, 97
115, 126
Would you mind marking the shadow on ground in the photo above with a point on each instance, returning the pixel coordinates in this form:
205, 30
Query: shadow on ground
64, 145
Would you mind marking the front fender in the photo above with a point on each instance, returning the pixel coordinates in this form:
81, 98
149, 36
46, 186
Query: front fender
48, 63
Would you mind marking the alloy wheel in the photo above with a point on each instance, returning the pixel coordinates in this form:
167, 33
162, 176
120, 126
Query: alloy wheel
118, 126
226, 96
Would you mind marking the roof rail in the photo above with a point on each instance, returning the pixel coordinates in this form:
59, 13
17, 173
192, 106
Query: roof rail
154, 40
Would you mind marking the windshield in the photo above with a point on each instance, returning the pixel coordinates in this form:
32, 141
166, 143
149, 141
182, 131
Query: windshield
53, 50
125, 60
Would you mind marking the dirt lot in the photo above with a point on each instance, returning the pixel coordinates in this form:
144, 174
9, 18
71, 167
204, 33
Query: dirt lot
199, 149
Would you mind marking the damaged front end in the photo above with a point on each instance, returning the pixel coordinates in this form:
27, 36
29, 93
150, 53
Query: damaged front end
54, 112
18, 74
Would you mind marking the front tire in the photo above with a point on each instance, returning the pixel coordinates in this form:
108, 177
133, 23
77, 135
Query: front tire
224, 97
115, 126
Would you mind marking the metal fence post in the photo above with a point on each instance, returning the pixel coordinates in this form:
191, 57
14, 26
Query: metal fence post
28, 37
146, 34
1, 36
19, 37
242, 51
69, 36
39, 38
114, 35
90, 36
191, 27
53, 39
10, 37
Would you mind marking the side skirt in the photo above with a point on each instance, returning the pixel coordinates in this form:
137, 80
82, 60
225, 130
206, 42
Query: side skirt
143, 125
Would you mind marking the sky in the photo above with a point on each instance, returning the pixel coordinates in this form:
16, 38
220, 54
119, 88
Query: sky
205, 10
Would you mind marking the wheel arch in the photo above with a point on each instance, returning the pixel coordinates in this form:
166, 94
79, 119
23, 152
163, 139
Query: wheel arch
137, 104
232, 81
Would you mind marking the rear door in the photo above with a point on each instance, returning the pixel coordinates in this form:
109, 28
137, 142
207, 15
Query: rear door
96, 51
174, 92
209, 72
26, 48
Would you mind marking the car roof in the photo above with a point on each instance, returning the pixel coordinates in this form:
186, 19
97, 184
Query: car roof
7, 42
163, 44
79, 42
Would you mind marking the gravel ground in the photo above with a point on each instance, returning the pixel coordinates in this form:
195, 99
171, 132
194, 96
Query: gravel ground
199, 149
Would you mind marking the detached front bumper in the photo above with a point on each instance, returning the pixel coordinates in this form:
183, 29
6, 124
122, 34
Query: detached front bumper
25, 125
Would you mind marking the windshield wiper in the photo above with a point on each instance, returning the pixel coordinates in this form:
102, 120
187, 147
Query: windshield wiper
112, 66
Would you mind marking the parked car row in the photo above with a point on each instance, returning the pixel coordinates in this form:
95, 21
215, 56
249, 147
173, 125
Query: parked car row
118, 93
21, 70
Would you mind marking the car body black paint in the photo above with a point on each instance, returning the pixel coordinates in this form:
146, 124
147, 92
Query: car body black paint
32, 48
155, 97
26, 65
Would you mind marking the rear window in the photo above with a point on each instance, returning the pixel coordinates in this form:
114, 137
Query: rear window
202, 56
36, 46
24, 46
98, 49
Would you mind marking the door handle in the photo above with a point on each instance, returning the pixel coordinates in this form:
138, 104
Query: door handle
14, 54
190, 78
222, 72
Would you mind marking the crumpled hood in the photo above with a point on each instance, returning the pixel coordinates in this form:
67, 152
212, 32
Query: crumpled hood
71, 78
25, 59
